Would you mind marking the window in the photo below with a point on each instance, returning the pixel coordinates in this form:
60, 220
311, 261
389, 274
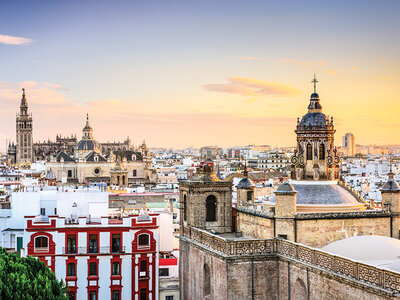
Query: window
309, 152
143, 268
92, 269
134, 173
69, 173
143, 294
41, 243
211, 208
43, 211
116, 243
249, 196
144, 240
71, 244
169, 297
115, 268
164, 272
282, 236
93, 295
71, 269
115, 295
322, 151
92, 243
97, 171
55, 210
184, 209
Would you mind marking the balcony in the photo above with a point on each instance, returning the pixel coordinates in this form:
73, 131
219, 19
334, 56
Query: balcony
92, 250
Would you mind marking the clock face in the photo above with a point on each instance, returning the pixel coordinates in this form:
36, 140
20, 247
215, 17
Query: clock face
294, 160
337, 159
329, 160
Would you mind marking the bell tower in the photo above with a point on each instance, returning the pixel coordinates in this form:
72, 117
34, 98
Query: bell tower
24, 133
315, 157
206, 201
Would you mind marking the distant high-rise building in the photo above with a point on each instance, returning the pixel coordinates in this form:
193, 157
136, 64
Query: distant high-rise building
349, 144
24, 147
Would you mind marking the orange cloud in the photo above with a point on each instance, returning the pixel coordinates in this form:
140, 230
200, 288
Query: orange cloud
14, 40
332, 72
251, 87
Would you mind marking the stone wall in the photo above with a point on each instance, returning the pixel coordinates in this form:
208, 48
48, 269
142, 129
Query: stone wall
256, 276
313, 229
275, 269
192, 261
298, 280
255, 226
321, 232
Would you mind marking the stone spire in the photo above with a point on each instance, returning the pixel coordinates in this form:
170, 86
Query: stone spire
24, 104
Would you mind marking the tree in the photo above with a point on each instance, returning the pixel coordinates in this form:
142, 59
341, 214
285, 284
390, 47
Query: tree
28, 279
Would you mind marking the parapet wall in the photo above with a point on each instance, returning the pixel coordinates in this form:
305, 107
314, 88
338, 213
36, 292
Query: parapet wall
316, 229
327, 271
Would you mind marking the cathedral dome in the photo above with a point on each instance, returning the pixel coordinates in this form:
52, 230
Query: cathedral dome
317, 119
87, 145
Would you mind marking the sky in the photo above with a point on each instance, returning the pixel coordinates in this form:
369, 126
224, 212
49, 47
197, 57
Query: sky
196, 73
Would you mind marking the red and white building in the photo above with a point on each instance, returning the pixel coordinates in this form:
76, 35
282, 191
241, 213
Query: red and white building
99, 259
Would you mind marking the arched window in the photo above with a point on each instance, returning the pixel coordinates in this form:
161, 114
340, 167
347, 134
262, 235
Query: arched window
300, 291
206, 280
309, 152
211, 208
144, 240
321, 151
41, 243
184, 208
123, 180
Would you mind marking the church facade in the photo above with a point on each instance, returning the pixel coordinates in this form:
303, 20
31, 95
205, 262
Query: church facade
248, 253
88, 163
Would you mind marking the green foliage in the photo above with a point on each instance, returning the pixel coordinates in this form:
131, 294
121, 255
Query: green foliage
28, 279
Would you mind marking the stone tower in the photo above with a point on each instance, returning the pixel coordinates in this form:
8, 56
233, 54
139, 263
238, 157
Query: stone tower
245, 191
285, 211
24, 133
206, 201
391, 201
315, 156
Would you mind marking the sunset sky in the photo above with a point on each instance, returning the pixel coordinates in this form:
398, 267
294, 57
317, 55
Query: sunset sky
197, 73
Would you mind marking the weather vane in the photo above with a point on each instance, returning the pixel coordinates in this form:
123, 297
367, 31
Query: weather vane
315, 81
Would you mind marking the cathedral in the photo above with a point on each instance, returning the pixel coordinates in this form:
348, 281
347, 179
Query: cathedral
81, 161
278, 252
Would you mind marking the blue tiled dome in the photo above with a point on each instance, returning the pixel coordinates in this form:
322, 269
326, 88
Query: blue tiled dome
314, 119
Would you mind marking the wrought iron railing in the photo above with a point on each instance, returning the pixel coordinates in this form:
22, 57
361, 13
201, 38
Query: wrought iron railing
92, 250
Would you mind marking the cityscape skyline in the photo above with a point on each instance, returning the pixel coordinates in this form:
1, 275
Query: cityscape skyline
164, 73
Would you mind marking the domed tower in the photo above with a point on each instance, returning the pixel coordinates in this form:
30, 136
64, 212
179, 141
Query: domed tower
315, 156
87, 144
245, 191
